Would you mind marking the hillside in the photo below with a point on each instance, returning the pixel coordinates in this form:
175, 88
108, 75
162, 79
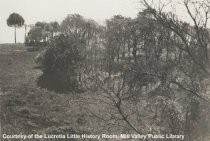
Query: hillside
26, 108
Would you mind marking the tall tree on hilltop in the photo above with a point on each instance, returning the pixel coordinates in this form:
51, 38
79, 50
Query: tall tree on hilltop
15, 20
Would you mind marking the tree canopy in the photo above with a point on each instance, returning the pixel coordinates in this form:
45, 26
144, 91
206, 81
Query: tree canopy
15, 20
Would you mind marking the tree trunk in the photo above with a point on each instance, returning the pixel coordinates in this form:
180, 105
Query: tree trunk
15, 34
25, 31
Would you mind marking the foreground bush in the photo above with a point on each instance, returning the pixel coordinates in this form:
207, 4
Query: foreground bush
60, 63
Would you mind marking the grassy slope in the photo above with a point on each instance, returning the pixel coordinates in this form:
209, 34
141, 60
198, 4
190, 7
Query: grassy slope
25, 108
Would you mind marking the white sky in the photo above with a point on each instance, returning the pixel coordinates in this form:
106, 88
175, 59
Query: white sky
56, 10
51, 10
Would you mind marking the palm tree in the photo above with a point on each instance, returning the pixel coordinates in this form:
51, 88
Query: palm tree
15, 20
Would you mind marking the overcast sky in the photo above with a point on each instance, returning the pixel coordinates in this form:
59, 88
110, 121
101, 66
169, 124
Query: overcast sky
51, 10
56, 10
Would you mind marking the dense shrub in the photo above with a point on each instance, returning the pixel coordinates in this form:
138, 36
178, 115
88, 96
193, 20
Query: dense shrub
60, 63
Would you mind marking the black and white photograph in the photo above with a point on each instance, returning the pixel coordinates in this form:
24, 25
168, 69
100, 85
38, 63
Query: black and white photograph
104, 70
